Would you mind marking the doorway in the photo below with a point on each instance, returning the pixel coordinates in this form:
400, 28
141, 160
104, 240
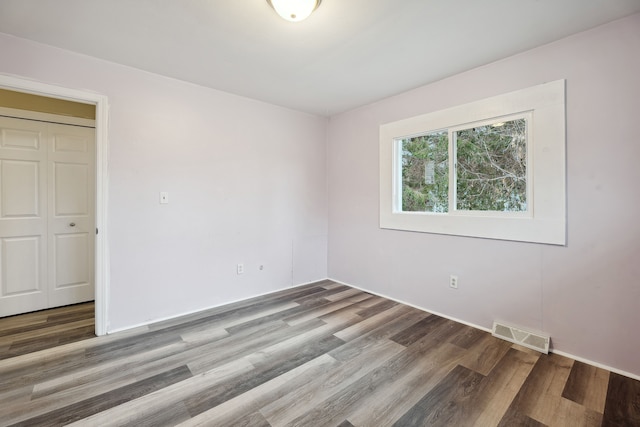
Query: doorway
47, 209
100, 273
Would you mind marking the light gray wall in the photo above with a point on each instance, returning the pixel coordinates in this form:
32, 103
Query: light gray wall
246, 182
587, 294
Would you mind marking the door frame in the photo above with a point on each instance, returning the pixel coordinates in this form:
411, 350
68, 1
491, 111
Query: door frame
101, 279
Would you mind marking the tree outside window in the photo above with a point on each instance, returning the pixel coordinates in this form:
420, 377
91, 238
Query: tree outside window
489, 173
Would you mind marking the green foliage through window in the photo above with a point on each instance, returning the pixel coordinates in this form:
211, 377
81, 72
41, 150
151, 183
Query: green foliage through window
490, 169
425, 173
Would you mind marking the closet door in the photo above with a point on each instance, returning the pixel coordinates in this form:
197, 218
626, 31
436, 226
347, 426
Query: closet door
23, 216
71, 204
47, 215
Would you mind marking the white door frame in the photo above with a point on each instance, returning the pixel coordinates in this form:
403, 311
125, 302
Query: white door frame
102, 249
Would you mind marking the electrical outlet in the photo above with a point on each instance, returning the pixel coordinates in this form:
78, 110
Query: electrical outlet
240, 268
164, 197
261, 267
453, 282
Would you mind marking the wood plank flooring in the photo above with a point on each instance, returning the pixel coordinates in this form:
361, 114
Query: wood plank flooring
318, 355
44, 329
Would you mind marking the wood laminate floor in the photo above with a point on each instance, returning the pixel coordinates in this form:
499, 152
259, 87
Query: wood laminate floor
318, 355
44, 329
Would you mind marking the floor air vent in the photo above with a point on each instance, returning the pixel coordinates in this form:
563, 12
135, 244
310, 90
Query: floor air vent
528, 339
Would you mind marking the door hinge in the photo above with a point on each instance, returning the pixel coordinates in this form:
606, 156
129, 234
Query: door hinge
96, 230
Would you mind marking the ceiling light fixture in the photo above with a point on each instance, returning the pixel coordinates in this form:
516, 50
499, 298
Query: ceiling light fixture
294, 10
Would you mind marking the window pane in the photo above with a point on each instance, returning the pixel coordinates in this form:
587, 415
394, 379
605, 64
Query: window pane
425, 173
491, 168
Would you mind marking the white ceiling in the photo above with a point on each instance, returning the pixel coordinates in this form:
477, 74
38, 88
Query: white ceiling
347, 54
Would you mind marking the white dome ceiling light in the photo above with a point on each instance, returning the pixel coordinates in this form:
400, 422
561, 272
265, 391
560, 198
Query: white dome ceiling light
294, 10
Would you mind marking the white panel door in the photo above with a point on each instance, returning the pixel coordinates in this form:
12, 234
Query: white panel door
23, 216
47, 225
71, 195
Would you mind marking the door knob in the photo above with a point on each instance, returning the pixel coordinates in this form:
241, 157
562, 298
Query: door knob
73, 224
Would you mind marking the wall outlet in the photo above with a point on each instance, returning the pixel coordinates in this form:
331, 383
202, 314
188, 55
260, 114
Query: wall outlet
164, 197
261, 267
453, 282
240, 268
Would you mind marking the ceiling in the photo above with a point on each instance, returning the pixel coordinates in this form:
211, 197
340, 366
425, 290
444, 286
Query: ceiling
347, 54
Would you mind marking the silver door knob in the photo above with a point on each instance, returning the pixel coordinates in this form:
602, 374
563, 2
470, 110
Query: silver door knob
73, 224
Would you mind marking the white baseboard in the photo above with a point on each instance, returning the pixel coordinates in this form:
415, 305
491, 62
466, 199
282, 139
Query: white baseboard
464, 322
199, 310
596, 364
556, 351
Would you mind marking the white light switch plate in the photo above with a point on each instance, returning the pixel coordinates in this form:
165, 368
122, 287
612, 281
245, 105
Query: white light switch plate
164, 197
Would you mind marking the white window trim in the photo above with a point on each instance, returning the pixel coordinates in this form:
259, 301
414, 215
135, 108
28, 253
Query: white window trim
545, 219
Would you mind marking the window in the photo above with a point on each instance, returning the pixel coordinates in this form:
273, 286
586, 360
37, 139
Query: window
494, 168
488, 170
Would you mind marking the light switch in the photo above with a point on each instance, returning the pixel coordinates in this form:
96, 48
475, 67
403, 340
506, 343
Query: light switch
164, 197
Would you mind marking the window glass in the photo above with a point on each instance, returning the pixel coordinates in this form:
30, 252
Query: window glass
491, 167
425, 172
